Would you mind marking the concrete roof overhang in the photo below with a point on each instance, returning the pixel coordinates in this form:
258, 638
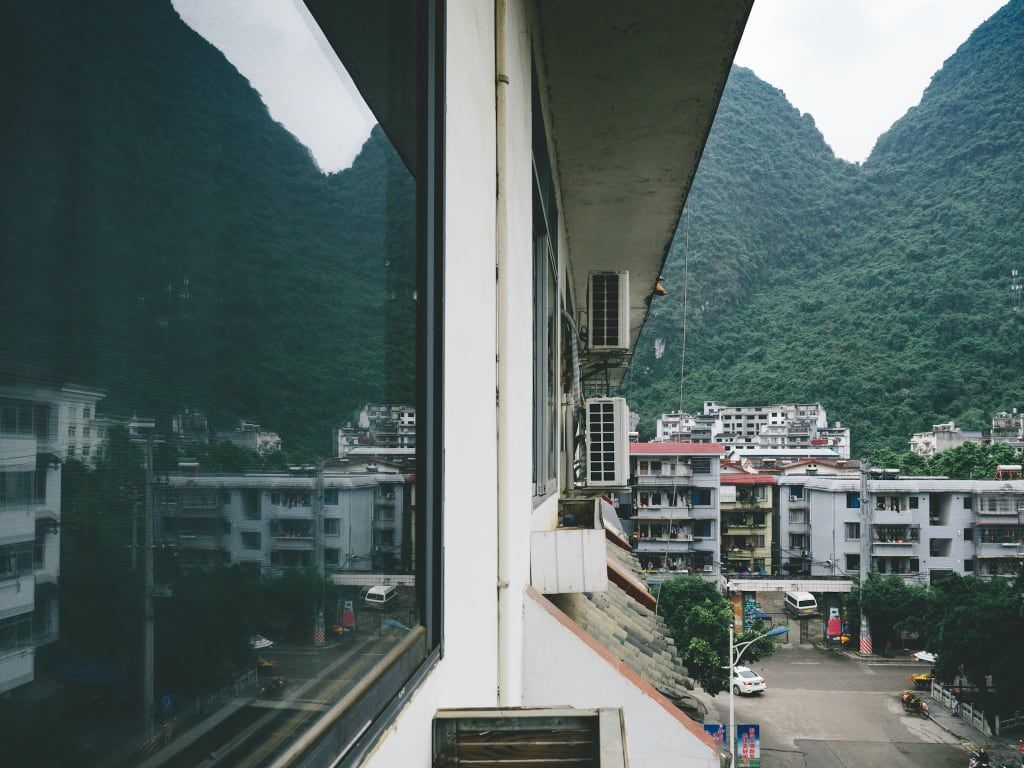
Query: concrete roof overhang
632, 90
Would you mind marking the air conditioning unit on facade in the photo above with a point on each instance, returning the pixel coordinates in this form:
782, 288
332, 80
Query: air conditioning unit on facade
708, 569
608, 311
607, 442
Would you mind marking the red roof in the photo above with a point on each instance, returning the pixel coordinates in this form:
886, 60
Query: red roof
675, 449
745, 479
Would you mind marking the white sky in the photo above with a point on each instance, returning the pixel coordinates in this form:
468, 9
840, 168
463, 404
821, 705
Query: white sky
278, 47
856, 65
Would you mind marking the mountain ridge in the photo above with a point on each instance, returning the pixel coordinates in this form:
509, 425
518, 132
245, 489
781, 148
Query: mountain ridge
880, 289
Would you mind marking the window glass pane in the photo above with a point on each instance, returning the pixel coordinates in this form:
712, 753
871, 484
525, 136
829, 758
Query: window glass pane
208, 343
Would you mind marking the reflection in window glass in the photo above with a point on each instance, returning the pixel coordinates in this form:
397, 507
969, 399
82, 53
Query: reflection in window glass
209, 273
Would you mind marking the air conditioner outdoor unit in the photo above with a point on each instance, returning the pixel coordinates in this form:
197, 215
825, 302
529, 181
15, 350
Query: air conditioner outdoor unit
607, 442
608, 311
708, 568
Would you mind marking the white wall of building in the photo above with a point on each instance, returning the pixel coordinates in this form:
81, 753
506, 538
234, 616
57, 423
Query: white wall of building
568, 670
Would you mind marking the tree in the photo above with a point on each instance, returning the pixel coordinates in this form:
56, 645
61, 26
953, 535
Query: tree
891, 605
698, 617
974, 626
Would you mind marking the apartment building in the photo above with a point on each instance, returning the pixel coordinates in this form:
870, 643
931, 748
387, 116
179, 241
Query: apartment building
790, 427
269, 522
747, 503
920, 528
676, 519
379, 426
42, 423
1006, 427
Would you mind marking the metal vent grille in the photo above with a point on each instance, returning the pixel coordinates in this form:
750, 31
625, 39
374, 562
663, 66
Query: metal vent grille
605, 323
601, 455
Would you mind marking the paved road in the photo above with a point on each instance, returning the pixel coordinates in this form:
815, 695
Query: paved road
827, 711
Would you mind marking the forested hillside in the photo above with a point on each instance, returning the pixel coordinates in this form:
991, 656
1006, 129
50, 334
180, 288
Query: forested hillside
881, 290
169, 242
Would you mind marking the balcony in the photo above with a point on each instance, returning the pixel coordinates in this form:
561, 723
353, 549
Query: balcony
675, 546
996, 506
681, 477
198, 507
293, 543
196, 540
380, 524
384, 500
17, 594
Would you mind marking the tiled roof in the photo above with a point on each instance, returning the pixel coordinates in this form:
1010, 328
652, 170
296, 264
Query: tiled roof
745, 479
675, 449
633, 634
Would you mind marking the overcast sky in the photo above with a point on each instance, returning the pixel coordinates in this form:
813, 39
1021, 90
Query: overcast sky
856, 65
277, 46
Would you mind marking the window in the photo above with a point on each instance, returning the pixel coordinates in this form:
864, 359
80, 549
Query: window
798, 516
796, 492
72, 430
758, 540
852, 531
968, 534
545, 307
260, 271
968, 502
700, 497
913, 502
703, 529
700, 465
852, 563
798, 541
968, 565
852, 500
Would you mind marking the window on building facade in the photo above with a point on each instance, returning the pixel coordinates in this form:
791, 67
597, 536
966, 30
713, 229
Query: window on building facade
913, 502
968, 534
852, 531
193, 237
968, 502
852, 563
798, 541
700, 465
852, 500
545, 308
700, 497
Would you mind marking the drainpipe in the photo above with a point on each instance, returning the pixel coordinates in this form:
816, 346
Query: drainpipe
501, 84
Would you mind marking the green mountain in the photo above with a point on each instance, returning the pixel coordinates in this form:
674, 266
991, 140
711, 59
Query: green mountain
165, 239
881, 290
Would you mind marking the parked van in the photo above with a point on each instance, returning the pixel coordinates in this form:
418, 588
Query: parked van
378, 597
801, 603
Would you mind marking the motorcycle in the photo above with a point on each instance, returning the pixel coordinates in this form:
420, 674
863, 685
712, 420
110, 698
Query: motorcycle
979, 759
914, 704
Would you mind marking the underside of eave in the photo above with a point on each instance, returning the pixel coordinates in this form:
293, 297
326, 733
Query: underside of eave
632, 90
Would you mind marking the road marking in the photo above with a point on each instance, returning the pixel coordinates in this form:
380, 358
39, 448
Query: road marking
806, 663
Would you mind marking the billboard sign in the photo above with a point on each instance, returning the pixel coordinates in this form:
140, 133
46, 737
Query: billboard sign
748, 745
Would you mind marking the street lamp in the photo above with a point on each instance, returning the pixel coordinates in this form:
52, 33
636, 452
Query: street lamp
735, 651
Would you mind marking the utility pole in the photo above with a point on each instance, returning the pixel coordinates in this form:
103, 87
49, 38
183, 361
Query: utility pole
319, 631
865, 554
147, 642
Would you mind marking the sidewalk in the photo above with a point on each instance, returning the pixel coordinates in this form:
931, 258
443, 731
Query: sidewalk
1002, 749
903, 661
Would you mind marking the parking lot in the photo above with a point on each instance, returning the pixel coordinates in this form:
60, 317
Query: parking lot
822, 710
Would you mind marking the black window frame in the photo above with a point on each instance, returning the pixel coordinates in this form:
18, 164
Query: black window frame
348, 738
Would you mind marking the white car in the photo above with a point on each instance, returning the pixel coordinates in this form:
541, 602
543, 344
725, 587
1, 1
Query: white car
746, 680
259, 642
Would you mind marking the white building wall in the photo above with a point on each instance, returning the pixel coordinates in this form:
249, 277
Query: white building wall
566, 670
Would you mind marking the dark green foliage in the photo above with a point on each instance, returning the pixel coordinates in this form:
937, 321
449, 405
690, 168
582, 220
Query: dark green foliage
891, 605
970, 461
974, 626
698, 617
167, 240
881, 290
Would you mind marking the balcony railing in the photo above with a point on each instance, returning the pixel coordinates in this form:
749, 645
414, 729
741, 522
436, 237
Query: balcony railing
661, 480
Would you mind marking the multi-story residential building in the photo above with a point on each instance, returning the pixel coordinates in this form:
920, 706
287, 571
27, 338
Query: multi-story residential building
269, 521
919, 527
1006, 427
791, 427
379, 425
676, 520
248, 435
42, 423
746, 512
